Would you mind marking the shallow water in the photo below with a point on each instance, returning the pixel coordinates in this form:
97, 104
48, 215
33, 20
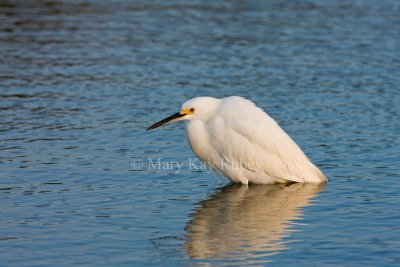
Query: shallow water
83, 183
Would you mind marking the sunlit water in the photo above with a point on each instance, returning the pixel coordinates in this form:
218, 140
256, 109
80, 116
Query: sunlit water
83, 183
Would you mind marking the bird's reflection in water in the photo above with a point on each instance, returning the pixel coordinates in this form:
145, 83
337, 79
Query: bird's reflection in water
242, 222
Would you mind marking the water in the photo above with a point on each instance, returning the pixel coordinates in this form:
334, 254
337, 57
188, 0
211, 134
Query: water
80, 181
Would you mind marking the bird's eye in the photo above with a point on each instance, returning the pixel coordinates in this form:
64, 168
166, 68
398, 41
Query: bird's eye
192, 110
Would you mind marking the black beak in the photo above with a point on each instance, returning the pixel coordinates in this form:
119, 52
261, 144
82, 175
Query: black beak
165, 121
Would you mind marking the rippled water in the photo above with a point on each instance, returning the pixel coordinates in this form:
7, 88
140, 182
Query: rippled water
81, 182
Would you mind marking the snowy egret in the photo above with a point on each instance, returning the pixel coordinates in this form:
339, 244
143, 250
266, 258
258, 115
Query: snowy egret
242, 142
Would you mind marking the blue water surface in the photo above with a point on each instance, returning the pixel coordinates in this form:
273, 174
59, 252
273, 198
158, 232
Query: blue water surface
83, 183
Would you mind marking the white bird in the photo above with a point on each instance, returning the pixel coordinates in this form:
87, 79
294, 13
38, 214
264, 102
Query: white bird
242, 142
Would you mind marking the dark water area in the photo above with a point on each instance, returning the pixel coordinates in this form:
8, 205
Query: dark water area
81, 182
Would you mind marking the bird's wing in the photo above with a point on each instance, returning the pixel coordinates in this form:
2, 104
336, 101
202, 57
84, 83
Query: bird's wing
258, 152
253, 140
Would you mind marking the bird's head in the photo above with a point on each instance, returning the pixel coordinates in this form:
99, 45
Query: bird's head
198, 108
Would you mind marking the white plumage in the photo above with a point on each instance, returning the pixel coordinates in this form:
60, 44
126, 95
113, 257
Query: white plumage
242, 142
